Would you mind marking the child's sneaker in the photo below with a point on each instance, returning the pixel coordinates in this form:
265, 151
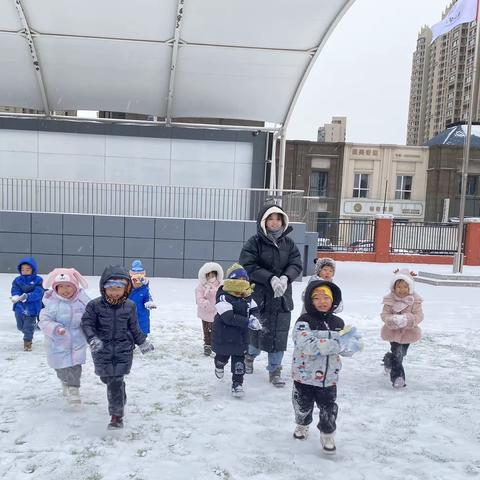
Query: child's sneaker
115, 423
73, 396
301, 432
237, 391
399, 383
207, 350
328, 443
219, 372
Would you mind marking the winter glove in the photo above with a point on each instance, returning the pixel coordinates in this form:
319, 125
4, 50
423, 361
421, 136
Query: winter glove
284, 283
150, 305
95, 344
400, 320
146, 347
350, 341
254, 323
19, 298
277, 287
60, 331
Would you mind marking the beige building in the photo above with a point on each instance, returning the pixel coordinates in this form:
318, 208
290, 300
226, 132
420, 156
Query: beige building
384, 179
334, 132
441, 81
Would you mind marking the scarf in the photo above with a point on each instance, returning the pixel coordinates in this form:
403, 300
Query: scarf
238, 287
400, 304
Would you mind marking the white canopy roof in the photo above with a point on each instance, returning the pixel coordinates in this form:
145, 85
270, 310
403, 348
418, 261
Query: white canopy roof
241, 59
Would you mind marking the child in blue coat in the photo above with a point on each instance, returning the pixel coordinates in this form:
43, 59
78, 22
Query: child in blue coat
26, 296
141, 296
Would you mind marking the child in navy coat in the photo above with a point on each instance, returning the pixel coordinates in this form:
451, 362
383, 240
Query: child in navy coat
141, 296
26, 296
236, 311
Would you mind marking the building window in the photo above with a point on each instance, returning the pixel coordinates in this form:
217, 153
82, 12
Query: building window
471, 185
318, 183
360, 185
404, 187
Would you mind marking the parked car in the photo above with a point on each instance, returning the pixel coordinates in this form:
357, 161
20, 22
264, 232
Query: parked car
324, 245
361, 246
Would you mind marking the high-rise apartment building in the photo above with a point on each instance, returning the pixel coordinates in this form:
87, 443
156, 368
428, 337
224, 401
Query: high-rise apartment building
334, 132
441, 81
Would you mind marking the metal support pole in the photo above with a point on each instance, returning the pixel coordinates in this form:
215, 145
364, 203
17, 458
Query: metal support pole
281, 163
458, 257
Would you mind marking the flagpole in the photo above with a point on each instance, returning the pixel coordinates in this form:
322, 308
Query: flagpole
458, 257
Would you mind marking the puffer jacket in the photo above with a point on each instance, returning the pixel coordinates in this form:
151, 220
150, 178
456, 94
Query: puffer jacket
69, 349
263, 259
411, 306
140, 296
117, 327
206, 292
32, 286
230, 327
316, 354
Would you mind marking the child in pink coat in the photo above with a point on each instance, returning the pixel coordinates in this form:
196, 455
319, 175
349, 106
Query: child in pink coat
60, 321
402, 312
210, 277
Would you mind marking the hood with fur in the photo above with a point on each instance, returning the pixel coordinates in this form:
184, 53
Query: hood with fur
207, 268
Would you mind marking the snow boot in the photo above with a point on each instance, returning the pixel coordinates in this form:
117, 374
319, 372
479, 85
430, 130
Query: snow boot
64, 389
219, 372
237, 390
115, 423
399, 383
73, 396
207, 350
328, 443
276, 378
301, 432
27, 346
249, 363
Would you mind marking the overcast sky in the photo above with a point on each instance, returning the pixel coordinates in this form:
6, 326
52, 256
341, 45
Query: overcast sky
364, 71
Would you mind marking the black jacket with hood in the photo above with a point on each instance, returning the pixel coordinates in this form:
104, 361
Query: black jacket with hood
264, 258
117, 327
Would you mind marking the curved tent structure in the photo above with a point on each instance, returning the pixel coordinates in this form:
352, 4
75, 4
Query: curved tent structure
169, 59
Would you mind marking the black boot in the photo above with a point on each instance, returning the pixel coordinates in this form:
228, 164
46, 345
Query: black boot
115, 422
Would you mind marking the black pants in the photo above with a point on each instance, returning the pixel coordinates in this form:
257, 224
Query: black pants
207, 332
117, 398
304, 398
237, 364
394, 360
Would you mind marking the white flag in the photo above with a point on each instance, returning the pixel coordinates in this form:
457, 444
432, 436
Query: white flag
463, 11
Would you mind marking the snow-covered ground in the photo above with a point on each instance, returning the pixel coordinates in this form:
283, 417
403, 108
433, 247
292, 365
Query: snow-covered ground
182, 423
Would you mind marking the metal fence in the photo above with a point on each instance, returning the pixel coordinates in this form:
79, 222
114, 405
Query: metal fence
61, 196
424, 238
346, 235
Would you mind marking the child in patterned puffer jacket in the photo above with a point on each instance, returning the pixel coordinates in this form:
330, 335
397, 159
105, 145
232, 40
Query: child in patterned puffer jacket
319, 337
60, 322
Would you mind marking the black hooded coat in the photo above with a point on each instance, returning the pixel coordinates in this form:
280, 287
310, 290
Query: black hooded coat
263, 259
115, 325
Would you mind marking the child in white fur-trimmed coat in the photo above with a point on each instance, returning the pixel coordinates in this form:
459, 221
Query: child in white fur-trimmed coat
210, 277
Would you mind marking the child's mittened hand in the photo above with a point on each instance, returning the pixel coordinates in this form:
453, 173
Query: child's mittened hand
60, 331
146, 347
150, 305
18, 298
400, 320
95, 344
254, 323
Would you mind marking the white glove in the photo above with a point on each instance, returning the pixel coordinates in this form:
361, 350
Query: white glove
146, 347
400, 320
150, 305
95, 344
254, 323
19, 298
284, 282
277, 287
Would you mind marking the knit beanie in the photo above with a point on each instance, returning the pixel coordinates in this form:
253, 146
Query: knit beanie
137, 267
236, 271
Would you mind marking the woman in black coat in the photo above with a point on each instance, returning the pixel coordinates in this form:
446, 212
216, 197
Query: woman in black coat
273, 262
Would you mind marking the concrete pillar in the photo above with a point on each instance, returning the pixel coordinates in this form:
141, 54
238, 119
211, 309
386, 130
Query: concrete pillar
472, 241
383, 235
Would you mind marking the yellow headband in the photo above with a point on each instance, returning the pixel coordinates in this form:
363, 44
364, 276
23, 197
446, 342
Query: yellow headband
325, 289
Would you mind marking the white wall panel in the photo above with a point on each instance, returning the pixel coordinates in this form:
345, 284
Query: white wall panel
55, 142
18, 164
202, 174
138, 147
55, 166
137, 170
18, 141
243, 152
203, 150
242, 177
